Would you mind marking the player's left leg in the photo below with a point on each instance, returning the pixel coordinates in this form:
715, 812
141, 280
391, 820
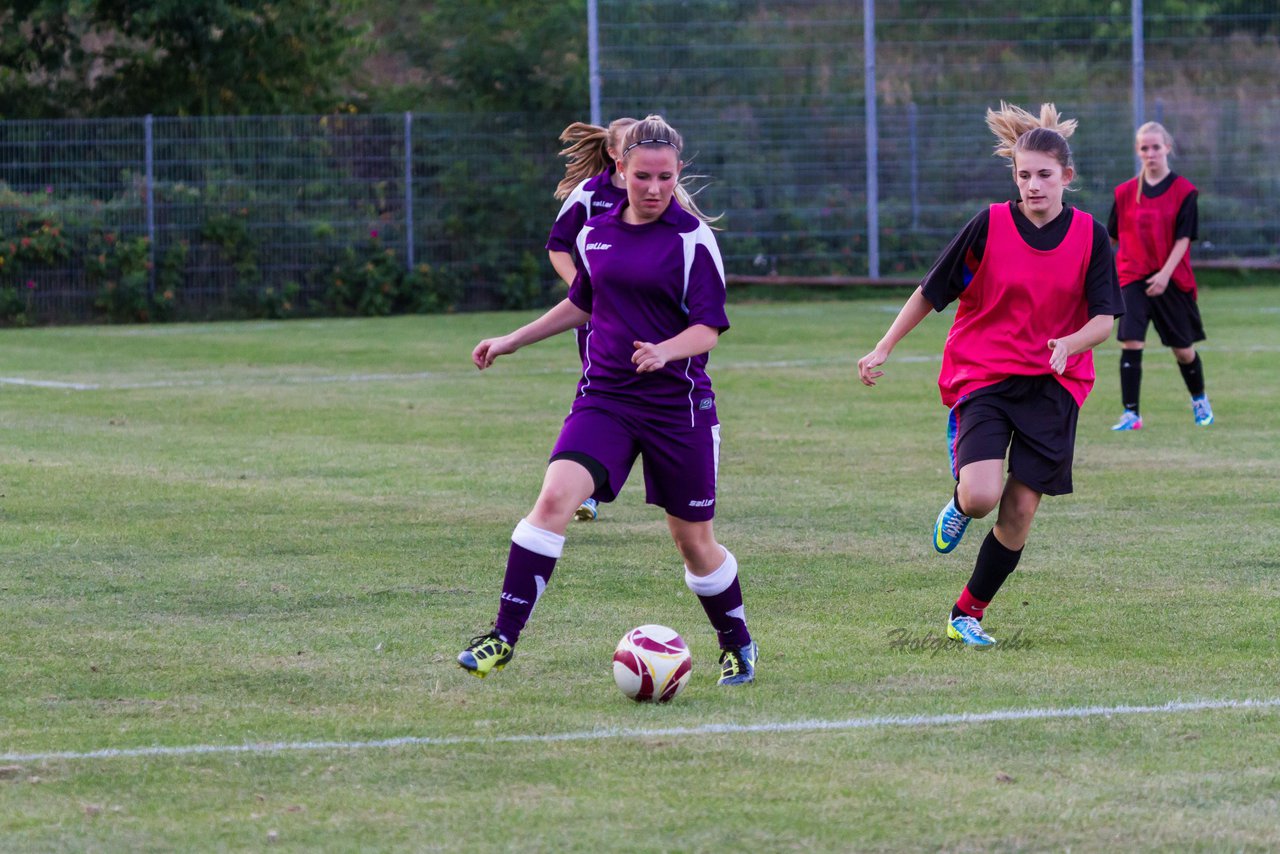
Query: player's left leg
1192, 369
1177, 318
711, 572
997, 559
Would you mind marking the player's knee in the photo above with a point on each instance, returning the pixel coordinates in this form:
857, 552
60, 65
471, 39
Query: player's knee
977, 501
699, 550
556, 500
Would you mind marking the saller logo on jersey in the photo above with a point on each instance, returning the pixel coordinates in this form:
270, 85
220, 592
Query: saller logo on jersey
599, 204
600, 246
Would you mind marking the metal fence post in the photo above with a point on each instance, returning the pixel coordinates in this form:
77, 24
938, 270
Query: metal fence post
408, 191
148, 194
873, 183
593, 60
915, 165
1139, 62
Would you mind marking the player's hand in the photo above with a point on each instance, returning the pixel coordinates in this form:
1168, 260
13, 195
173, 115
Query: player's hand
1157, 284
647, 357
868, 365
1060, 352
489, 349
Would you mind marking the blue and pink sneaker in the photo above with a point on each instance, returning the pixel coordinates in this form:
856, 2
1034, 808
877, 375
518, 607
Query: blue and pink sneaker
1133, 421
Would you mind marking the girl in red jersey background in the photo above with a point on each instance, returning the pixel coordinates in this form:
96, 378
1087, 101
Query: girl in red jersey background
1154, 218
1035, 287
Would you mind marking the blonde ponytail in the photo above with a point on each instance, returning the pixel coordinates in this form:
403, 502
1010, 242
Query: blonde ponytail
587, 151
1017, 130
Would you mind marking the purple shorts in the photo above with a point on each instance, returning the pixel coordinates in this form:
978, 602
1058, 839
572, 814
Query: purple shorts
681, 460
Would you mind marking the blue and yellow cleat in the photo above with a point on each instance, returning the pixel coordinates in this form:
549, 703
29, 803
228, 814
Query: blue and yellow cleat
1202, 411
949, 528
1130, 420
969, 630
738, 666
484, 654
588, 512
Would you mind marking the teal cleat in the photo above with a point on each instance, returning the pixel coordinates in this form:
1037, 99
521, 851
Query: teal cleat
1202, 411
588, 512
969, 630
949, 528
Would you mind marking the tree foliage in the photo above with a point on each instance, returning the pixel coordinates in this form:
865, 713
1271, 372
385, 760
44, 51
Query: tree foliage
497, 56
88, 58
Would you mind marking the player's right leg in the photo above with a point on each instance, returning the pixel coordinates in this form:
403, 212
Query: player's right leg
1130, 385
536, 545
977, 494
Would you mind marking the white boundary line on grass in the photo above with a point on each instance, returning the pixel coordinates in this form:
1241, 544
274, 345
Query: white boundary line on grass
878, 722
364, 379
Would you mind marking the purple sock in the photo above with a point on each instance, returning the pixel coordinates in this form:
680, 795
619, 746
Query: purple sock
532, 558
721, 597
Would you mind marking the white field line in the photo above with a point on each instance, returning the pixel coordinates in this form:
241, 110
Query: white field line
359, 379
362, 379
780, 727
569, 368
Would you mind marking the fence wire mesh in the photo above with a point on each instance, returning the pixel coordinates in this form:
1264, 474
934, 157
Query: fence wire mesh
176, 217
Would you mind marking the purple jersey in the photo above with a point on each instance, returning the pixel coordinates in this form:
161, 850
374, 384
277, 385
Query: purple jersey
593, 196
648, 283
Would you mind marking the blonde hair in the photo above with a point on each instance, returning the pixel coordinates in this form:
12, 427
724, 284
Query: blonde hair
1151, 127
587, 150
1017, 130
653, 131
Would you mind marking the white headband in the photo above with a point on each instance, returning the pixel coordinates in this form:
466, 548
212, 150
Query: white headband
650, 142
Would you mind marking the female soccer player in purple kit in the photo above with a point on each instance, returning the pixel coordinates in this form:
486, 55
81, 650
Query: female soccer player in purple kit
650, 280
1035, 287
591, 185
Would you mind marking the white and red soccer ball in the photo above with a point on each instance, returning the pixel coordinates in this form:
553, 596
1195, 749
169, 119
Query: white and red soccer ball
652, 664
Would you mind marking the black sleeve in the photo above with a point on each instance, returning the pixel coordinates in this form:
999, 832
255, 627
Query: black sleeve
1101, 287
955, 267
1188, 222
1113, 223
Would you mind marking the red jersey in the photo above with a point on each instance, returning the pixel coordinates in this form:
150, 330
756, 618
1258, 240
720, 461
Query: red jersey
1146, 233
1019, 298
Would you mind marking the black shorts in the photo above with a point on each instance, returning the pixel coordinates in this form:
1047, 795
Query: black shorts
1032, 418
1174, 314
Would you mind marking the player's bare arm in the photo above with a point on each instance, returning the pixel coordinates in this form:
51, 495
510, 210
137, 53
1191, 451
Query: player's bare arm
915, 309
1093, 333
694, 341
560, 318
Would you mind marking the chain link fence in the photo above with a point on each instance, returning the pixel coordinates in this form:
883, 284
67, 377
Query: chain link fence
136, 219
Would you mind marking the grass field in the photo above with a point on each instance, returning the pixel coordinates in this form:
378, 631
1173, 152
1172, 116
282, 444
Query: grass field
258, 547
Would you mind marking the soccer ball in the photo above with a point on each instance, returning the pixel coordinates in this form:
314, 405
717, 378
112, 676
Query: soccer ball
651, 664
